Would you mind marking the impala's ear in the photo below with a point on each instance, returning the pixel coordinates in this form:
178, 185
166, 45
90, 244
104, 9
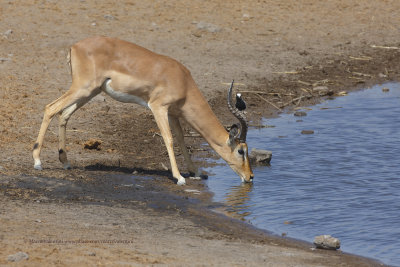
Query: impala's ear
233, 133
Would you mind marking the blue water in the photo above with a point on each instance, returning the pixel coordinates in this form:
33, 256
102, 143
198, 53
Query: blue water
343, 180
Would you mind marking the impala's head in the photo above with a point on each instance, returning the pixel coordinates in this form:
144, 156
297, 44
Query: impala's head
238, 158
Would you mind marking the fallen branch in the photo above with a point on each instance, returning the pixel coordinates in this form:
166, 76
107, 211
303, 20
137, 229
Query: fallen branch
272, 104
325, 81
385, 47
266, 93
240, 84
362, 74
299, 98
364, 58
294, 100
304, 83
285, 72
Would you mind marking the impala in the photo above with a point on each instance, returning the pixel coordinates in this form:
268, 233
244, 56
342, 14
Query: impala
132, 74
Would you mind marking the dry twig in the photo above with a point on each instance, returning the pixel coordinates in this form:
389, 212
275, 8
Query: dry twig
269, 102
386, 47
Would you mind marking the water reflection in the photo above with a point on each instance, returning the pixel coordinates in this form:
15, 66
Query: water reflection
238, 201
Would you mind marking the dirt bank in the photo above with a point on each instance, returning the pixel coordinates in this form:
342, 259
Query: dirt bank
278, 53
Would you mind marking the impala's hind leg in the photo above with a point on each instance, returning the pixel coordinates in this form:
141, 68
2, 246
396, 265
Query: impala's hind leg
66, 105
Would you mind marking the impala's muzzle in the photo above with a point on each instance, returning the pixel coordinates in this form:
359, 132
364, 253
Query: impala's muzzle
250, 179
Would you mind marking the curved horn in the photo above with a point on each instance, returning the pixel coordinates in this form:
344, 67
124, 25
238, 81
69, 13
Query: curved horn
239, 115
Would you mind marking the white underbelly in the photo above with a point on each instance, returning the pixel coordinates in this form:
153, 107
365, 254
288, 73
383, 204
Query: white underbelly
123, 97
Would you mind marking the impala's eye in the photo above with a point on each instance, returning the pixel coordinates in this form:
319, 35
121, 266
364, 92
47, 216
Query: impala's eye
241, 152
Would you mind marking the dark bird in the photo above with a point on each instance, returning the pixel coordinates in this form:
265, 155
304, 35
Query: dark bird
240, 104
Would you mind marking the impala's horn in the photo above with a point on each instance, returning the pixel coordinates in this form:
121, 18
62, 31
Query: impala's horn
239, 115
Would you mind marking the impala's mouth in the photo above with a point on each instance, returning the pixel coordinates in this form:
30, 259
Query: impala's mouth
250, 180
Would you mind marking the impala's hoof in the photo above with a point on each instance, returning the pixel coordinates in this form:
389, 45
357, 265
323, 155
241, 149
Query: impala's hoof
67, 166
38, 167
181, 181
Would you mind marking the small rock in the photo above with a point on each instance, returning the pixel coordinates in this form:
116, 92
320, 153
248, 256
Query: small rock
326, 242
259, 156
4, 59
197, 33
300, 114
307, 132
342, 93
8, 33
19, 256
92, 144
92, 254
208, 27
38, 220
381, 75
109, 17
385, 89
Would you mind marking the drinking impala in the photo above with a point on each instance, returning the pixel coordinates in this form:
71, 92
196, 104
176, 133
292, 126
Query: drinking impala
130, 73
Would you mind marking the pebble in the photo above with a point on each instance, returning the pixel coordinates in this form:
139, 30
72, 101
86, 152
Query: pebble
300, 114
327, 242
109, 17
385, 89
307, 132
8, 32
342, 93
208, 27
4, 59
19, 256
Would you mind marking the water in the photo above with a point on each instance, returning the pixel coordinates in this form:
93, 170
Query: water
343, 180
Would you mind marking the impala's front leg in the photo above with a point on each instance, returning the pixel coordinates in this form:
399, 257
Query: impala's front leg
177, 129
161, 117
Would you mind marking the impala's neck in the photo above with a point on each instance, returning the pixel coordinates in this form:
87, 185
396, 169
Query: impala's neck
197, 112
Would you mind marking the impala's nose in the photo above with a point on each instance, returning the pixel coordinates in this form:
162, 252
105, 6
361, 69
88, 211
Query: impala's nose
251, 178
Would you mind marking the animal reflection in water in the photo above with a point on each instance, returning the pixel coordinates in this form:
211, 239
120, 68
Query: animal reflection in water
237, 201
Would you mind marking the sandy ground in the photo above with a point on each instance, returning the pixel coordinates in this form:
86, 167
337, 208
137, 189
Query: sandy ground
278, 53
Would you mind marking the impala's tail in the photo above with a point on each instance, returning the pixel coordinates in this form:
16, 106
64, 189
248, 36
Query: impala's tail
69, 61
